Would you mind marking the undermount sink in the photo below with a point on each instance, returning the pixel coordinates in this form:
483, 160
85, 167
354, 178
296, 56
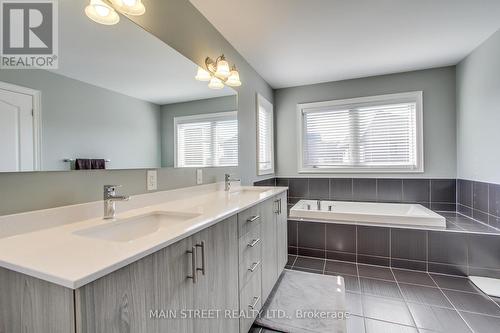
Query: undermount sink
133, 228
242, 190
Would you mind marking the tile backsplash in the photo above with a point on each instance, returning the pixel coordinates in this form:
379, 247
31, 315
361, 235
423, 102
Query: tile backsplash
437, 194
479, 200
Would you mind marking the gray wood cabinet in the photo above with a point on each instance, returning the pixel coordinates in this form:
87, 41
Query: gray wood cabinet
31, 305
217, 289
155, 294
121, 301
269, 249
282, 232
236, 263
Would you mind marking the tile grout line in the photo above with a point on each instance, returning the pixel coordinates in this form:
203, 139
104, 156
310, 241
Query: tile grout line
427, 252
404, 299
392, 268
359, 286
453, 305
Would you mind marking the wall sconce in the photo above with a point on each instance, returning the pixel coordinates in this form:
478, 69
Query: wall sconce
217, 73
104, 11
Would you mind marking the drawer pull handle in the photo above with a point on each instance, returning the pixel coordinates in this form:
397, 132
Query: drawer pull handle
254, 266
193, 264
254, 242
256, 300
253, 218
203, 259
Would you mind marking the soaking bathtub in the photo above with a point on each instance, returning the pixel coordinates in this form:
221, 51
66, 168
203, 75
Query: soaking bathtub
367, 212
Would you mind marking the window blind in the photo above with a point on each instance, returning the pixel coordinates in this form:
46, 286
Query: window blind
368, 136
265, 133
209, 140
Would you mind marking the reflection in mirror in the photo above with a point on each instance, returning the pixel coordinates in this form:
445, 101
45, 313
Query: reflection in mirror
120, 99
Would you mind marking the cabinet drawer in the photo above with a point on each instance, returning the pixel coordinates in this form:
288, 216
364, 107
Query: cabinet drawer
250, 241
250, 302
250, 262
248, 218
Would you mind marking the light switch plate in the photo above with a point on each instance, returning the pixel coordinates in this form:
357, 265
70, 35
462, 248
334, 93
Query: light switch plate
199, 176
152, 180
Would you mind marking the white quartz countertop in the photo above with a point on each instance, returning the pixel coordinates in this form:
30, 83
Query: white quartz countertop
59, 254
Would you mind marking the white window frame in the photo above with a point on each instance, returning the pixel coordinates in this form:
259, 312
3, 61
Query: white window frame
413, 96
261, 101
195, 117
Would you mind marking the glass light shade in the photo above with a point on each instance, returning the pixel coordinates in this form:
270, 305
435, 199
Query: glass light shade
202, 75
129, 7
222, 68
102, 13
215, 83
234, 79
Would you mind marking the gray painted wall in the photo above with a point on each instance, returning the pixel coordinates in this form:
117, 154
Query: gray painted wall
438, 86
478, 113
181, 26
54, 189
82, 120
169, 111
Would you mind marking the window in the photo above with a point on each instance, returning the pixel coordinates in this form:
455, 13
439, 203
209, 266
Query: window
369, 134
206, 140
265, 137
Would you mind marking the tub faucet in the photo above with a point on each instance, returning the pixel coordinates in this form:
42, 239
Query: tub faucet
227, 182
110, 199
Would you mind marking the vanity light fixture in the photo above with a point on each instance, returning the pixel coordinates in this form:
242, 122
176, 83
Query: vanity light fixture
129, 7
105, 11
218, 73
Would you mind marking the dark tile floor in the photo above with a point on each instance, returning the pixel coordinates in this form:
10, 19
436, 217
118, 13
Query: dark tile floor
387, 300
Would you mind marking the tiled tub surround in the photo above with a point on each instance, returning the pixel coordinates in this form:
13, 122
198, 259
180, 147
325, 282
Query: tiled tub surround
479, 200
382, 299
436, 194
451, 251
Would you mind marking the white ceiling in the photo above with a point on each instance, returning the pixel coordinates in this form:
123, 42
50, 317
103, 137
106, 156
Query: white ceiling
297, 42
126, 59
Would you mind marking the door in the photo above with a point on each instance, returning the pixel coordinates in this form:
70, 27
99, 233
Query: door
282, 232
17, 148
217, 289
269, 249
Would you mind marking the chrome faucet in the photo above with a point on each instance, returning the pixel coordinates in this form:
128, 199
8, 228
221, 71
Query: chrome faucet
110, 199
227, 182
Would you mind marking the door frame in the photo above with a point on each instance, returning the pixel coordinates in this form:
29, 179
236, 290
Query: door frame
37, 119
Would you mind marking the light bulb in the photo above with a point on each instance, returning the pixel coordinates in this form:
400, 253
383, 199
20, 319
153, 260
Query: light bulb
234, 78
222, 67
129, 7
215, 83
102, 13
202, 75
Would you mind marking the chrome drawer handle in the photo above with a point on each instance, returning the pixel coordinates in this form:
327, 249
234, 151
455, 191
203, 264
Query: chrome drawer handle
256, 300
254, 242
254, 266
203, 260
193, 264
253, 218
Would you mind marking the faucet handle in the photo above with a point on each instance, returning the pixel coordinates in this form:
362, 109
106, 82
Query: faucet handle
111, 189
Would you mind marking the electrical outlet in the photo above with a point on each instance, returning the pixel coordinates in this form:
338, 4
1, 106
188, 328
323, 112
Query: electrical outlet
199, 176
152, 180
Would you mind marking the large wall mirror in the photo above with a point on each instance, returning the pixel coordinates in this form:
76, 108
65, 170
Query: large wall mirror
120, 99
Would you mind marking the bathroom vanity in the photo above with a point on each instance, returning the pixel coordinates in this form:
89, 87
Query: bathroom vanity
209, 270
